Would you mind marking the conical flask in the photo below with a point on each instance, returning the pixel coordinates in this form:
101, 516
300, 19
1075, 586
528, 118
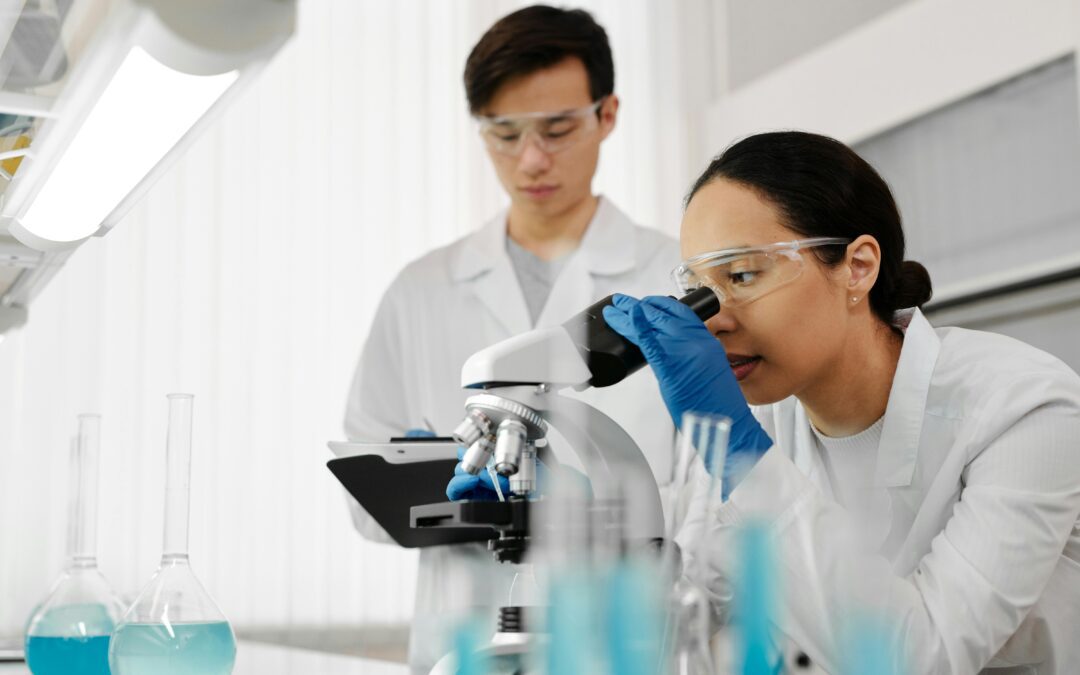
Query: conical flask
174, 627
69, 632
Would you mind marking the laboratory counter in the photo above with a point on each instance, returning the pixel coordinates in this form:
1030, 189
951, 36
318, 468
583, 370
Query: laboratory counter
254, 658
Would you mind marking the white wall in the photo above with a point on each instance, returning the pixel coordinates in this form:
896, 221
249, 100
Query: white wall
767, 34
248, 276
920, 56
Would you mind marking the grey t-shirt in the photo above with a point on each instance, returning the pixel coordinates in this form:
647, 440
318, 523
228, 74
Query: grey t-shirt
535, 275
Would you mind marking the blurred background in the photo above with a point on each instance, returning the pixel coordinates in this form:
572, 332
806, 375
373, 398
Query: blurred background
249, 274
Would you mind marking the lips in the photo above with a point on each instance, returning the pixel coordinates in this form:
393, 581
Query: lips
539, 191
742, 365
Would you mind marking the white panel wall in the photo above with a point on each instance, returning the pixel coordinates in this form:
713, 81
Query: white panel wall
914, 59
989, 187
248, 276
766, 34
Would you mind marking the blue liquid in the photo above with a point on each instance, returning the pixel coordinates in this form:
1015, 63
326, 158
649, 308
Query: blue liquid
68, 655
177, 649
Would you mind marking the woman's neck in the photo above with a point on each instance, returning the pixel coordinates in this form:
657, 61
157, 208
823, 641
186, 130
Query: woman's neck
855, 392
550, 237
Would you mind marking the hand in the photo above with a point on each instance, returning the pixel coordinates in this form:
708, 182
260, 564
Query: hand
480, 488
464, 485
693, 371
419, 433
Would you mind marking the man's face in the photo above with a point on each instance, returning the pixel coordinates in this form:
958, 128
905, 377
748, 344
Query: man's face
539, 182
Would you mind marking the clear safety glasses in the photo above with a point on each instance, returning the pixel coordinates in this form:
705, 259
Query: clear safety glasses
741, 275
553, 131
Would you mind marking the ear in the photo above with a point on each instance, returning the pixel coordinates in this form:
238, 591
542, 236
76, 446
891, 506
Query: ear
863, 261
609, 111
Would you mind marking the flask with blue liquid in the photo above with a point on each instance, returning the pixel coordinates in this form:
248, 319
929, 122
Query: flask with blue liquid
174, 627
69, 632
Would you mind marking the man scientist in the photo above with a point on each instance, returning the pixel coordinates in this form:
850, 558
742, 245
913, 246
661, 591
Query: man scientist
540, 83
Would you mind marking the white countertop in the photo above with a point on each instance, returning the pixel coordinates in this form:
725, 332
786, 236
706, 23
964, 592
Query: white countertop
254, 658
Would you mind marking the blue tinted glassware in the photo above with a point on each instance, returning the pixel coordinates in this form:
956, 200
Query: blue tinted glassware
68, 633
174, 627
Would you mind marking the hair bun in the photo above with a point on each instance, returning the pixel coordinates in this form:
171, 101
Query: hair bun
913, 287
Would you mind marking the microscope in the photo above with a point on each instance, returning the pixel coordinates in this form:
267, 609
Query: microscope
522, 383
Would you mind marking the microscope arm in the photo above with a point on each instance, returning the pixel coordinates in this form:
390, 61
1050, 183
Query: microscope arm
616, 467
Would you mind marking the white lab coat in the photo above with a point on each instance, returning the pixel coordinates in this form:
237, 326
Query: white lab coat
977, 559
461, 298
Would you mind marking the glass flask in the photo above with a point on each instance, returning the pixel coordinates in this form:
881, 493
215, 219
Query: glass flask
174, 627
68, 633
690, 615
703, 437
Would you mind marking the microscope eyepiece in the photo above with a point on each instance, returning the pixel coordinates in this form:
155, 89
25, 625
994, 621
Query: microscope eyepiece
610, 356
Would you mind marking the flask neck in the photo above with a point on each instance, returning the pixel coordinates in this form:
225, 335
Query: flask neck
174, 560
177, 477
82, 512
80, 563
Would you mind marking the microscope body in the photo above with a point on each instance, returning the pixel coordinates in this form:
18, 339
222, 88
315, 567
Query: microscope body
524, 380
521, 388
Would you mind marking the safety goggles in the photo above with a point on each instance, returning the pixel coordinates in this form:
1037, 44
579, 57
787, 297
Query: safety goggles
741, 275
553, 132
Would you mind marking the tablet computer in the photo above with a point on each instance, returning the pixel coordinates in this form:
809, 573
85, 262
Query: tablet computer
388, 479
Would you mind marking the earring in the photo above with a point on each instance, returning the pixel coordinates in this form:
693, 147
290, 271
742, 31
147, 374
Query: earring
854, 299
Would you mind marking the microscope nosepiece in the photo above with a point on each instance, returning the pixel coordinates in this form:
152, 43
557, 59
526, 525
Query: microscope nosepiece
510, 439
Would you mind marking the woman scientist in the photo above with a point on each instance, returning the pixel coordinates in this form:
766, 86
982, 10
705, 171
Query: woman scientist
926, 478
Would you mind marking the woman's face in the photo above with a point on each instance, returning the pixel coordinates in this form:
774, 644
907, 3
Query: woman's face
786, 340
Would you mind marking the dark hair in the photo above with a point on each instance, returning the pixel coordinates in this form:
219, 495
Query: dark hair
532, 39
822, 188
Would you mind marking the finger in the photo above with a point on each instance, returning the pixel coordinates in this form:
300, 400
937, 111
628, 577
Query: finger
460, 487
461, 452
647, 341
484, 490
669, 315
419, 433
620, 323
671, 306
624, 302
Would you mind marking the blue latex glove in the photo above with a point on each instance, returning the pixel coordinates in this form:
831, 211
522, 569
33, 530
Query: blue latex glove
464, 485
693, 371
480, 488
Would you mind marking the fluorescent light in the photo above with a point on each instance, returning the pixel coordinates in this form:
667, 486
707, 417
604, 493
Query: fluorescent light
141, 115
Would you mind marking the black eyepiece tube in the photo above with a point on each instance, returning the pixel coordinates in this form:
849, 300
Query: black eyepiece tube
610, 356
703, 301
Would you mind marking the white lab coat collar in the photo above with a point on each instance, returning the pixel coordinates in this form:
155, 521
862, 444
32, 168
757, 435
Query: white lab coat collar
902, 428
607, 247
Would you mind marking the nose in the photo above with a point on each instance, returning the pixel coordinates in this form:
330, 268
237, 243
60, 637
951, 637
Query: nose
722, 322
533, 161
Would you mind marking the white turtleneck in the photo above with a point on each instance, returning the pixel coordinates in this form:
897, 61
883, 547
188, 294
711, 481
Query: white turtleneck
849, 462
